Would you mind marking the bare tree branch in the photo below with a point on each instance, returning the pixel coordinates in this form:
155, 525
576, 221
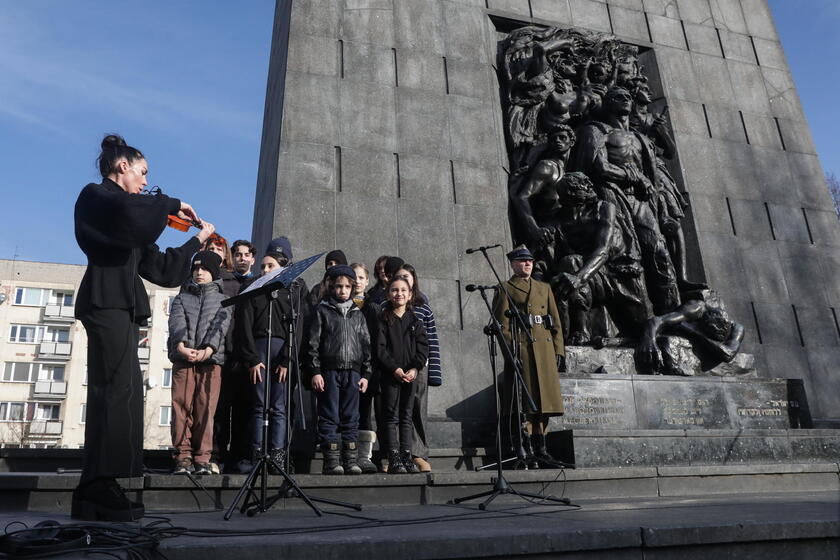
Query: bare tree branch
834, 190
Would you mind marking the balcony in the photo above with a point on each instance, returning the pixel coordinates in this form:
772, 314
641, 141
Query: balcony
50, 389
59, 314
55, 350
143, 354
45, 427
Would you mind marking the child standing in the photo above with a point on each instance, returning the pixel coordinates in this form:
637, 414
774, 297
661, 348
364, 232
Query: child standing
431, 377
368, 399
197, 328
401, 352
339, 366
254, 342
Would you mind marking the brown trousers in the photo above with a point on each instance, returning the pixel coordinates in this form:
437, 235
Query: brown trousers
195, 392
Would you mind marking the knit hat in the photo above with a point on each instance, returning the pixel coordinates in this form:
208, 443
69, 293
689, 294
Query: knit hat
280, 246
337, 256
209, 261
520, 253
392, 265
341, 270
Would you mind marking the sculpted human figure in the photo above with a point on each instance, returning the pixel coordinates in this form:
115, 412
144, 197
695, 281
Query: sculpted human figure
669, 204
595, 266
537, 200
622, 165
714, 336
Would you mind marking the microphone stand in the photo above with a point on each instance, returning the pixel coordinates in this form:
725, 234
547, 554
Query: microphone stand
259, 502
519, 389
500, 484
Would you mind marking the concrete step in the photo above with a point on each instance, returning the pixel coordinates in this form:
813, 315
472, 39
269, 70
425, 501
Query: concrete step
179, 493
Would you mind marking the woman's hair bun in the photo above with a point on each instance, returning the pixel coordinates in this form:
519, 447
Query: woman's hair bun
114, 148
112, 140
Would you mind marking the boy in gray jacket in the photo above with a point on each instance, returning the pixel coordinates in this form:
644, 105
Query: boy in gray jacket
197, 327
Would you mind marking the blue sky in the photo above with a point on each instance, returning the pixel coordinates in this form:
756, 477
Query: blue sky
185, 82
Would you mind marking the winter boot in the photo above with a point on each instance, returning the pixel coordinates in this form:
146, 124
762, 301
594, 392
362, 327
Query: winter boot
278, 457
408, 462
366, 440
332, 459
349, 458
395, 464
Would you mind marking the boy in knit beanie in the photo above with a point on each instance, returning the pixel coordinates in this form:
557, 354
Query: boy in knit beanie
197, 328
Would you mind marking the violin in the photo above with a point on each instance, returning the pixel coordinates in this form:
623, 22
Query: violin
182, 224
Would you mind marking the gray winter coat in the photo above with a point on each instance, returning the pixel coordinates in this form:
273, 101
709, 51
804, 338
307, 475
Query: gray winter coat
198, 320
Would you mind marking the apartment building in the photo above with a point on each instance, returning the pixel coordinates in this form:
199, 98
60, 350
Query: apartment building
43, 359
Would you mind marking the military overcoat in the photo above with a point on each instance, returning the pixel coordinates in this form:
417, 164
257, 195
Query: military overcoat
539, 362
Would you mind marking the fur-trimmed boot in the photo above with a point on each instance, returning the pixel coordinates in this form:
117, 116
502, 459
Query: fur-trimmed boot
332, 458
366, 440
349, 458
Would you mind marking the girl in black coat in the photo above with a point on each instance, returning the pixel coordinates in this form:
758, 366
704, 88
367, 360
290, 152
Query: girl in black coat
117, 228
401, 351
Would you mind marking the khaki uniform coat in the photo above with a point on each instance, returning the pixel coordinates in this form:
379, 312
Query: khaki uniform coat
539, 362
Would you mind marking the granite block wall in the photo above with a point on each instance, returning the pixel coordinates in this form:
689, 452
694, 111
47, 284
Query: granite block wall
383, 135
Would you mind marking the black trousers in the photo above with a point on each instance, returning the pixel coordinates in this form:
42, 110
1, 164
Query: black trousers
231, 434
114, 417
397, 407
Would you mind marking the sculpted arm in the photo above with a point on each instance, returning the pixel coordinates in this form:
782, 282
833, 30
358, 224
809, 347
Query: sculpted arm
543, 174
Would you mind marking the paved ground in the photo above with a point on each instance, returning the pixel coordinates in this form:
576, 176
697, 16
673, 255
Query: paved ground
509, 528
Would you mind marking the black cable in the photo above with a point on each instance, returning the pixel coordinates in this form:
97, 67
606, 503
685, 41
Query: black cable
142, 541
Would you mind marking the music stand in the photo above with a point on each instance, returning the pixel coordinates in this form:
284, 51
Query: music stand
258, 502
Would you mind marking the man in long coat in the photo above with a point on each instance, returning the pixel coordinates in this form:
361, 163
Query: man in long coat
540, 360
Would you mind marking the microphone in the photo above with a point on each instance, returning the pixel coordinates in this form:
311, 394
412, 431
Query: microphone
483, 248
474, 287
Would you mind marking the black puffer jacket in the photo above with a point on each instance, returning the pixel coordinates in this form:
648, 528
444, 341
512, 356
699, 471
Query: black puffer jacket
338, 339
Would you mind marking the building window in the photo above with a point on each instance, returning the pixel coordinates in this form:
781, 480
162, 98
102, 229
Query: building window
64, 299
47, 411
13, 411
165, 415
166, 381
143, 341
35, 334
29, 334
51, 373
36, 297
83, 414
17, 372
85, 381
26, 372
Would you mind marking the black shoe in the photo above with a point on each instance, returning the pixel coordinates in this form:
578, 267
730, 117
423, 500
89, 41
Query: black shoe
395, 464
278, 457
544, 458
408, 462
332, 459
104, 500
203, 468
349, 458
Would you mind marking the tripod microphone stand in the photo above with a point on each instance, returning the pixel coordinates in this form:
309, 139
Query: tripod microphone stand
259, 501
500, 485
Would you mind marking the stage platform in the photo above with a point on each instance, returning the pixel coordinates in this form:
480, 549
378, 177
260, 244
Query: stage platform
778, 526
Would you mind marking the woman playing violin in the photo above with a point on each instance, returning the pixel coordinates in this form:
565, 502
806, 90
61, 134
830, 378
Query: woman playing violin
117, 229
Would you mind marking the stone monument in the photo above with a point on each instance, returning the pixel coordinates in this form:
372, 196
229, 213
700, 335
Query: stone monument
671, 132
